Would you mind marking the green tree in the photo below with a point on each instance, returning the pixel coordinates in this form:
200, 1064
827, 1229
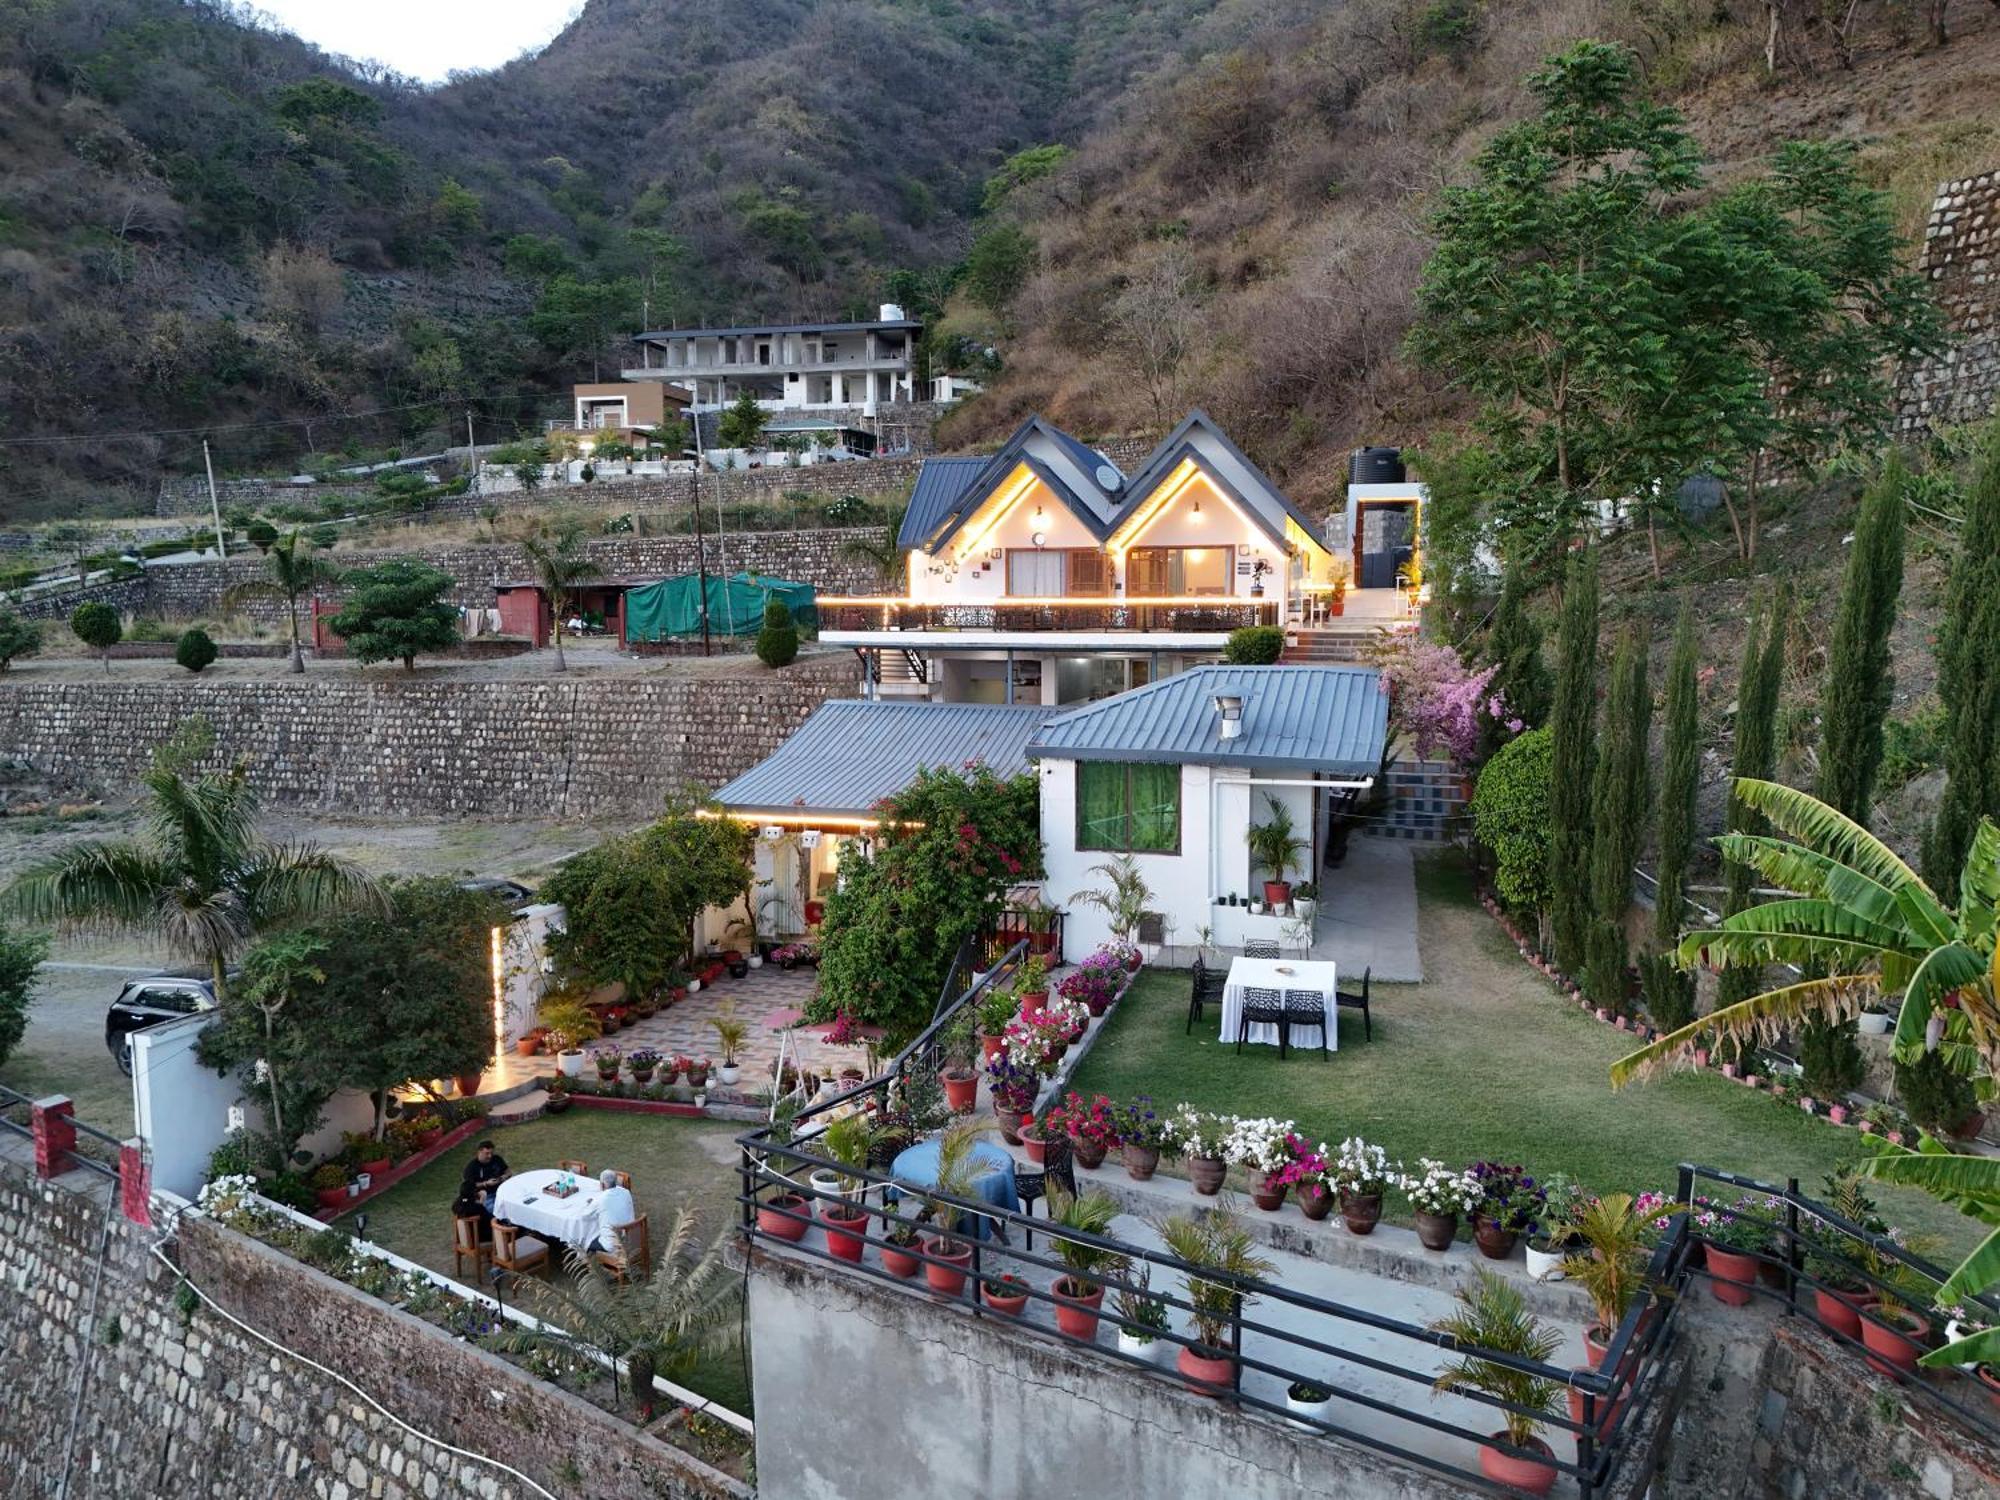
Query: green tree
534, 257
293, 570
255, 1025
1758, 688
394, 611
261, 534
742, 425
97, 625
201, 879
460, 215
195, 650
1680, 780
1968, 684
21, 955
1572, 764
18, 637
778, 638
1020, 169
558, 563
997, 265
1510, 815
1860, 679
577, 320
1521, 678
1618, 813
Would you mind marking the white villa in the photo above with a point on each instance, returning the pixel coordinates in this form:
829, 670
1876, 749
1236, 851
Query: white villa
789, 366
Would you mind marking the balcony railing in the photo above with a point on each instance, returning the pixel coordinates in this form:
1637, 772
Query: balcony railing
1206, 616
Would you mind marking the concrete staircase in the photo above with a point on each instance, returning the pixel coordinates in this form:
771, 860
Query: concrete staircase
1324, 645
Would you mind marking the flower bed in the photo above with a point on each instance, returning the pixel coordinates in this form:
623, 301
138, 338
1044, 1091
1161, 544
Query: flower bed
379, 1183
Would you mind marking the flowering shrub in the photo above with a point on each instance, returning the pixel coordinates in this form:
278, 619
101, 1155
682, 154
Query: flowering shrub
1508, 1196
1037, 1041
1435, 1188
1745, 1226
1094, 982
1012, 1079
607, 1060
1435, 699
1261, 1145
1121, 953
231, 1200
795, 953
1360, 1168
1094, 1121
1139, 1124
1309, 1166
644, 1060
845, 1031
1199, 1134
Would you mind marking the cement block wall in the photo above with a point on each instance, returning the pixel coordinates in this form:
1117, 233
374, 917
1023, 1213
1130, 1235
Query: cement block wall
1961, 262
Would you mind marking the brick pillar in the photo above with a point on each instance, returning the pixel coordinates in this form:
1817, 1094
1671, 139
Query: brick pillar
135, 1183
55, 1135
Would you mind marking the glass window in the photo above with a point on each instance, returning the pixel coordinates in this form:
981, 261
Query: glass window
1171, 572
1034, 574
1128, 807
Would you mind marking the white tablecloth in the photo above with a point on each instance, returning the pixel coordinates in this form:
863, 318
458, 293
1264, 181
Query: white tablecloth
1264, 974
564, 1221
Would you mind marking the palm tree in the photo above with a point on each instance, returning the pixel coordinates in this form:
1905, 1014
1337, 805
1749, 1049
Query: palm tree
289, 574
201, 878
879, 550
556, 558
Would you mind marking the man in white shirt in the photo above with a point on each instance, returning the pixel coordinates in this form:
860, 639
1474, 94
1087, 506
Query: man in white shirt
615, 1209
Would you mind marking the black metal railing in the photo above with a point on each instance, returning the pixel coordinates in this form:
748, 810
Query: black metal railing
1041, 927
882, 1233
95, 1151
1215, 616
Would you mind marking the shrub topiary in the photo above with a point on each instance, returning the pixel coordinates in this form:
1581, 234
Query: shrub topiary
778, 641
1254, 646
97, 625
195, 650
1510, 814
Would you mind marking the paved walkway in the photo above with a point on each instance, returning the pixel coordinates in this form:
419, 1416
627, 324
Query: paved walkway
1368, 914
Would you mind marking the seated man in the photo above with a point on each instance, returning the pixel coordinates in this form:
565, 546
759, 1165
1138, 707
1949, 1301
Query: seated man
616, 1208
486, 1171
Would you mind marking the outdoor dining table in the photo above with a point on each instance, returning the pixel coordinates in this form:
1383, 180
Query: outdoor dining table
523, 1200
917, 1166
1278, 974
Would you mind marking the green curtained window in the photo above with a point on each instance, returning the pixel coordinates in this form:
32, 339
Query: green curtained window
1128, 807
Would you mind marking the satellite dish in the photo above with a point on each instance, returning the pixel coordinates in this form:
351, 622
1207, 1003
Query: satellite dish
1108, 478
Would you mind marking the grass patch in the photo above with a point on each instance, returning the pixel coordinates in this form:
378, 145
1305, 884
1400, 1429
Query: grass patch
670, 1160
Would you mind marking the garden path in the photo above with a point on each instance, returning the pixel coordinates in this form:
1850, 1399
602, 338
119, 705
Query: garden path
1368, 914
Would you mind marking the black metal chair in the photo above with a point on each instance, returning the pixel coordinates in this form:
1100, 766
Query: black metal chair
1348, 1001
1031, 1183
1204, 986
1264, 1008
1306, 1009
1260, 948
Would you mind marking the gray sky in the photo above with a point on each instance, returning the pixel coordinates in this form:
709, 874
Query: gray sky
424, 38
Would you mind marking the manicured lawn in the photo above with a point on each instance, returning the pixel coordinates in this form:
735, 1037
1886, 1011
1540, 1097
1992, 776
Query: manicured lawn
669, 1159
1482, 1060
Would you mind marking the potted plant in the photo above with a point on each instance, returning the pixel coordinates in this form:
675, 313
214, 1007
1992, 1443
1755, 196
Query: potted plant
1006, 1293
1307, 1177
1734, 1241
1310, 1401
788, 1214
530, 1042
1493, 1316
1142, 1135
1873, 1021
557, 1099
729, 1035
1142, 1317
1275, 844
1555, 1227
1031, 984
846, 1141
1263, 1147
1361, 1174
640, 1063
1035, 1140
948, 1255
570, 1025
960, 1079
997, 1006
1091, 1127
427, 1129
1305, 902
1079, 1293
1012, 1083
329, 1184
1438, 1196
607, 1061
1609, 1266
1213, 1241
1094, 983
1041, 925
369, 1155
1510, 1204
1201, 1140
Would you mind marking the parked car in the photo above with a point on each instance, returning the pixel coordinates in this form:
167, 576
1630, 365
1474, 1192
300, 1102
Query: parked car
510, 891
149, 1002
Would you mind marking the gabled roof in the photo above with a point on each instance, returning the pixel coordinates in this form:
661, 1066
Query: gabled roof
940, 484
1098, 506
852, 752
1331, 720
1247, 486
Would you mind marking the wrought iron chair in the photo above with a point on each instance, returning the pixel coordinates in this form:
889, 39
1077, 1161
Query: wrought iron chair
1263, 1007
1260, 948
1206, 985
1306, 1010
1359, 1002
1031, 1183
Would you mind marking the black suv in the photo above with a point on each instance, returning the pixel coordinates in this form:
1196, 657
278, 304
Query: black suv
148, 1002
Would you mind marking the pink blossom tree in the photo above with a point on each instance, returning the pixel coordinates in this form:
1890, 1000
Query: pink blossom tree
1435, 699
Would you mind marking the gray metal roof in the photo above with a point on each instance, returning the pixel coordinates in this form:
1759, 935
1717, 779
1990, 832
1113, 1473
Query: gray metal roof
892, 324
940, 484
1304, 719
852, 753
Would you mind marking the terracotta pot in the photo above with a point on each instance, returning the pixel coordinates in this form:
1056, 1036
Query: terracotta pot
1437, 1231
1033, 1000
949, 1278
989, 1046
1141, 1161
528, 1046
1494, 1242
1596, 1344
468, 1084
377, 1167
1893, 1340
1315, 1201
1089, 1154
773, 1222
1206, 1173
1361, 1211
1989, 1377
844, 1232
1606, 1413
1010, 1125
1043, 943
1969, 1128
1035, 1144
1132, 962
1841, 1311
1011, 1305
330, 1197
961, 1091
697, 1078
1097, 1005
1270, 1199
555, 1104
1218, 1370
1076, 1315
1727, 1266
1533, 1476
429, 1138
1277, 892
1771, 1273
898, 1261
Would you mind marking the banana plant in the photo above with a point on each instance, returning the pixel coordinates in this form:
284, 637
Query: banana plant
1971, 1184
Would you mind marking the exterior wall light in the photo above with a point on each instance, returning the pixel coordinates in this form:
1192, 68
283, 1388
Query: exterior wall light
1040, 539
1230, 707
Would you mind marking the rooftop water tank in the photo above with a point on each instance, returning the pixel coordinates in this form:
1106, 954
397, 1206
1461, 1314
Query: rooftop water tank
1376, 466
891, 313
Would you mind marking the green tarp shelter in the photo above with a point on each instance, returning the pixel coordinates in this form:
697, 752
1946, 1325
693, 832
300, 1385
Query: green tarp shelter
672, 607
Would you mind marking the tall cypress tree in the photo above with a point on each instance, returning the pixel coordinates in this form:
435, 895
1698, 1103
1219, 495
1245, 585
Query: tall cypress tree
1756, 755
1521, 678
1572, 761
1968, 662
1680, 779
1859, 683
1618, 813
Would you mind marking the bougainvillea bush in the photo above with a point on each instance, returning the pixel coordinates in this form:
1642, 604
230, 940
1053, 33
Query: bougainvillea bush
1435, 700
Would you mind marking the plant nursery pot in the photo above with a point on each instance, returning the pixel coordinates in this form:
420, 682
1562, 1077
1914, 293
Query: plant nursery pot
1841, 1311
1437, 1231
772, 1221
1494, 1242
570, 1063
1270, 1199
1089, 1154
1315, 1202
1872, 1023
375, 1168
1319, 1410
1893, 1341
1206, 1173
949, 1278
845, 1233
331, 1197
1545, 1265
468, 1084
898, 1261
1141, 1162
1277, 892
989, 1047
1076, 1316
1361, 1211
1010, 1304
1533, 1476
1036, 1145
961, 1091
1726, 1267
1217, 1370
1137, 1347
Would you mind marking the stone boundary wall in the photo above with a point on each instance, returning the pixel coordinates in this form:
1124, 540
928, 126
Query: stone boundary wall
388, 745
1961, 260
182, 1403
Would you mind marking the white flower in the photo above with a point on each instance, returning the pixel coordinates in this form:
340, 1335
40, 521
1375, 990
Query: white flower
1435, 1188
1360, 1167
1260, 1145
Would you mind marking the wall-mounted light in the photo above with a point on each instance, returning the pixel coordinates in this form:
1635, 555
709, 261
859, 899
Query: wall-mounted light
1040, 539
1230, 707
1195, 514
1038, 514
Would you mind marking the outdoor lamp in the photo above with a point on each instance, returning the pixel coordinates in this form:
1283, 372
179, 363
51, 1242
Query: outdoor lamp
1040, 538
1230, 707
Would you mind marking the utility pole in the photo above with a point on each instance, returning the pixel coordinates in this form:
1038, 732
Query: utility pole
471, 453
214, 504
700, 548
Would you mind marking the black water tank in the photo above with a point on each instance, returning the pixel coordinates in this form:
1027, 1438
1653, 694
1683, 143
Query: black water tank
1376, 466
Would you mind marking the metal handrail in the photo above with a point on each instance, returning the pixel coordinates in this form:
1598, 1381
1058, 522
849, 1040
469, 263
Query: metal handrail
9, 1098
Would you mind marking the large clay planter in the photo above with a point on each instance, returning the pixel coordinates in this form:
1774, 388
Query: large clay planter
1141, 1162
528, 1046
898, 1261
1893, 1341
468, 1084
989, 1046
949, 1278
961, 1091
1315, 1202
785, 1227
1727, 1266
844, 1232
1035, 1144
1010, 1123
1206, 1173
1437, 1231
1494, 1242
1012, 1304
1033, 1001
1532, 1476
1277, 893
1089, 1154
1076, 1316
1219, 1370
330, 1197
1361, 1211
1596, 1344
1270, 1199
1841, 1311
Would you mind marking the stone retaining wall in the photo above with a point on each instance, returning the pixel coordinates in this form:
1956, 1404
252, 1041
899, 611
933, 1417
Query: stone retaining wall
425, 748
1961, 260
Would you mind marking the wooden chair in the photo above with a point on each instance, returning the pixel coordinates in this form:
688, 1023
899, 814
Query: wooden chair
1031, 1183
1359, 1002
465, 1241
581, 1169
623, 1179
1260, 948
517, 1252
1306, 1009
1263, 1007
636, 1254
